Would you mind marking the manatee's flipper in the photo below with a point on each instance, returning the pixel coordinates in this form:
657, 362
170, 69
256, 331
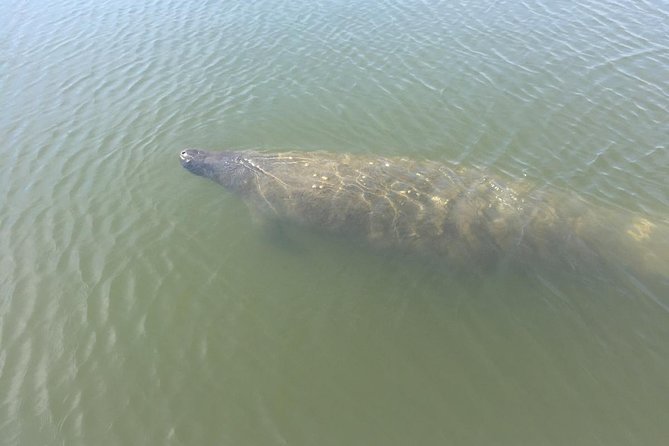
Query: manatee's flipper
276, 233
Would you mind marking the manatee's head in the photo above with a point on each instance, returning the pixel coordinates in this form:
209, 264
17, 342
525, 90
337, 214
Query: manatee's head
226, 168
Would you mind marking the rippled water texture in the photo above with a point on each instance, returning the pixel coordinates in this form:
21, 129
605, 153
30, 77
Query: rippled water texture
142, 305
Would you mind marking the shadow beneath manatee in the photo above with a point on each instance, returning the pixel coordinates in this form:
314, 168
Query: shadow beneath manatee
557, 279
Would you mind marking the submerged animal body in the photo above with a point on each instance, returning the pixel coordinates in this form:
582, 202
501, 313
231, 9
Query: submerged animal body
465, 216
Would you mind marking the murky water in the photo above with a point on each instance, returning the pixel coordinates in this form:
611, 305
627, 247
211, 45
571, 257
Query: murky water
141, 305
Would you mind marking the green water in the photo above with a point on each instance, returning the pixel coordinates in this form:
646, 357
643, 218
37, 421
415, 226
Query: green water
142, 305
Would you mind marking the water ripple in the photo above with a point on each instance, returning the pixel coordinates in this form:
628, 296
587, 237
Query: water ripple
134, 295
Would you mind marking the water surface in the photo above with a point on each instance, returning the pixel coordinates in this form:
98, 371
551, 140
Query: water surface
140, 305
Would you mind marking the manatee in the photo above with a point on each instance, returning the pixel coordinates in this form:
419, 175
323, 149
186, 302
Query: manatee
464, 216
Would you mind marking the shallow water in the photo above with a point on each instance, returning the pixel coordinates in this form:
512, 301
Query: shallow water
141, 305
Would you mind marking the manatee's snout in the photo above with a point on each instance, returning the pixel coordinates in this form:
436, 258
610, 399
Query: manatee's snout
223, 167
193, 160
188, 155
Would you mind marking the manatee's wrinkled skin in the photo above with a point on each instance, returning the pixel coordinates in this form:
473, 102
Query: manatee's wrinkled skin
465, 216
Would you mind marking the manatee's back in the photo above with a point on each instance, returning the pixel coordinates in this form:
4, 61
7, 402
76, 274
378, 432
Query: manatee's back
419, 206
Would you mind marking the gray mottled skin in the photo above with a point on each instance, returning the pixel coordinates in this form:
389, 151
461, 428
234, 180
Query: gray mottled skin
463, 215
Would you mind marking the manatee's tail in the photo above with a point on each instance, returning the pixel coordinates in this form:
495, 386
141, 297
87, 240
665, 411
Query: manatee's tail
631, 241
651, 241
